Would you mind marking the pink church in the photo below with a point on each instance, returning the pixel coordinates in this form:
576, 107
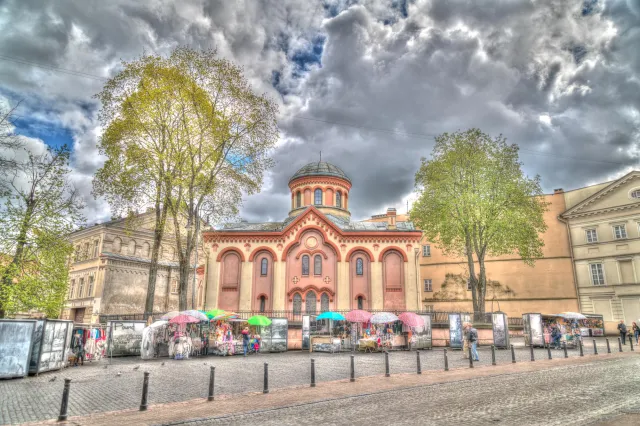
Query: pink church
317, 259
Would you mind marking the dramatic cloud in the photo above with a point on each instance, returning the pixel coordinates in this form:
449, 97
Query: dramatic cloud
369, 83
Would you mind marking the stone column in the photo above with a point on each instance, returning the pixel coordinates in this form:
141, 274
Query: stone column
410, 295
342, 287
212, 288
377, 300
279, 286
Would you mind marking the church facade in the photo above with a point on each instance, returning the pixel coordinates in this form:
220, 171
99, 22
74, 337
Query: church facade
315, 260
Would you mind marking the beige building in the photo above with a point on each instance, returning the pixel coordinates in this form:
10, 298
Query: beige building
513, 287
604, 224
110, 268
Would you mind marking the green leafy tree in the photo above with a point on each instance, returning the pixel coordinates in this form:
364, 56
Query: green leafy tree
474, 201
229, 133
40, 211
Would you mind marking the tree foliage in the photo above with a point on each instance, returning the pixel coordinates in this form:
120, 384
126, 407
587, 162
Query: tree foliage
40, 211
186, 135
475, 201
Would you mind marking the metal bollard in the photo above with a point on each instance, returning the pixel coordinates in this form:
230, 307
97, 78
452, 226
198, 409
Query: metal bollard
65, 400
595, 347
608, 346
493, 355
549, 350
313, 373
619, 345
513, 355
266, 378
446, 361
418, 362
631, 343
353, 369
470, 358
533, 358
212, 379
145, 392
386, 364
564, 347
581, 349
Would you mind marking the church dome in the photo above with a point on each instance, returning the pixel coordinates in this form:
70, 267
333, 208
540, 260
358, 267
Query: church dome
320, 168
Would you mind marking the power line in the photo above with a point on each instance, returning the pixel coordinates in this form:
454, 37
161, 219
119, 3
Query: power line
52, 68
357, 126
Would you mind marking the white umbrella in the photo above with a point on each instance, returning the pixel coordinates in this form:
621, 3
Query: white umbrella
383, 318
196, 314
572, 315
159, 323
170, 315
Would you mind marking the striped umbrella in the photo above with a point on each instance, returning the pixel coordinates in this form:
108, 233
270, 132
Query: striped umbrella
411, 320
358, 315
170, 315
196, 314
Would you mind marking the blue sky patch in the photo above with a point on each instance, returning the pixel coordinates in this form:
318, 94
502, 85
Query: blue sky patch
589, 6
313, 56
53, 135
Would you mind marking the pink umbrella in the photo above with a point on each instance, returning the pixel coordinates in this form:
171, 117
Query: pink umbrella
183, 319
411, 320
358, 316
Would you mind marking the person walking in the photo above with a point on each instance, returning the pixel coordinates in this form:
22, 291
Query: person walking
79, 352
636, 331
555, 336
473, 341
245, 340
622, 328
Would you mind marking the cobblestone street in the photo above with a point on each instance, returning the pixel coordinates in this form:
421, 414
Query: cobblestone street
100, 387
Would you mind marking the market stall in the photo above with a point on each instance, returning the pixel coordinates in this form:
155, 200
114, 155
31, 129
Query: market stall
329, 333
383, 331
456, 338
500, 325
274, 337
93, 339
567, 323
49, 346
124, 338
423, 338
592, 325
533, 331
16, 337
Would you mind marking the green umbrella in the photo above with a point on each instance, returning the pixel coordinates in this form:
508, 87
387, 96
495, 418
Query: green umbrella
259, 320
214, 312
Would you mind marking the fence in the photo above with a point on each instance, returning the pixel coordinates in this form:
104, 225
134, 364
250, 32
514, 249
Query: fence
439, 319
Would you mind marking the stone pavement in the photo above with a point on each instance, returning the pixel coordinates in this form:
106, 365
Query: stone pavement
572, 391
101, 387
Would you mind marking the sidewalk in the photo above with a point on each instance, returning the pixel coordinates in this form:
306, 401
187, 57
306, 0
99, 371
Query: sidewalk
296, 396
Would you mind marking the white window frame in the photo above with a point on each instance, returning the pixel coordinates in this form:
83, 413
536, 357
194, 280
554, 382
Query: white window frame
174, 289
604, 281
426, 250
624, 229
427, 285
595, 234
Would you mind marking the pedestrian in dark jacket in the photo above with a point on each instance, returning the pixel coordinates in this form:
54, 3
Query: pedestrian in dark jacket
622, 328
636, 331
472, 334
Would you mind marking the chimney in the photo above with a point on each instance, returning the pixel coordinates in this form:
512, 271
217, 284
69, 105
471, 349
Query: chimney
391, 218
558, 191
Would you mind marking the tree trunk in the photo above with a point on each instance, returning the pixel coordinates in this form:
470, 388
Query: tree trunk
184, 283
482, 288
158, 233
473, 280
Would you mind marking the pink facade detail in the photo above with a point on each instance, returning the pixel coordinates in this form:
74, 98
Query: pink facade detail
360, 280
262, 281
393, 280
230, 273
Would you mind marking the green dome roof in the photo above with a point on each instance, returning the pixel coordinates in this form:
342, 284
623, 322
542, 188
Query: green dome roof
320, 168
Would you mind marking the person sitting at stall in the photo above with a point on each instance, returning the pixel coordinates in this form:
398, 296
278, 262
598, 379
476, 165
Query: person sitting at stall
556, 335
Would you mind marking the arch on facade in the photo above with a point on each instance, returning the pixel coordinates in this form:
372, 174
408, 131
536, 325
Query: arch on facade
117, 245
297, 303
393, 280
362, 249
146, 249
311, 302
132, 247
360, 283
262, 278
325, 240
259, 249
392, 248
227, 250
311, 253
324, 302
314, 288
230, 280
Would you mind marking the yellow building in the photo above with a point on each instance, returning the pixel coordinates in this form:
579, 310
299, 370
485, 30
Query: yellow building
604, 223
513, 287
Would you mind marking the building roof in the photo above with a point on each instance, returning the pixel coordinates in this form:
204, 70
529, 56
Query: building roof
343, 223
137, 259
320, 168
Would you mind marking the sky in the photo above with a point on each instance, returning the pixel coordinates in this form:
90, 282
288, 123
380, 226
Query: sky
369, 83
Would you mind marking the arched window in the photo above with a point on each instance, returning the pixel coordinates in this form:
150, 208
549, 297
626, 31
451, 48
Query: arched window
132, 248
263, 303
298, 199
360, 302
264, 264
317, 265
305, 265
297, 304
338, 200
96, 245
146, 249
359, 266
324, 302
318, 197
310, 307
117, 245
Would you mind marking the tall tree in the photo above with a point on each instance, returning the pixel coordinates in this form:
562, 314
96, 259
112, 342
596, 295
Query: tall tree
142, 109
229, 133
41, 209
475, 201
10, 145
